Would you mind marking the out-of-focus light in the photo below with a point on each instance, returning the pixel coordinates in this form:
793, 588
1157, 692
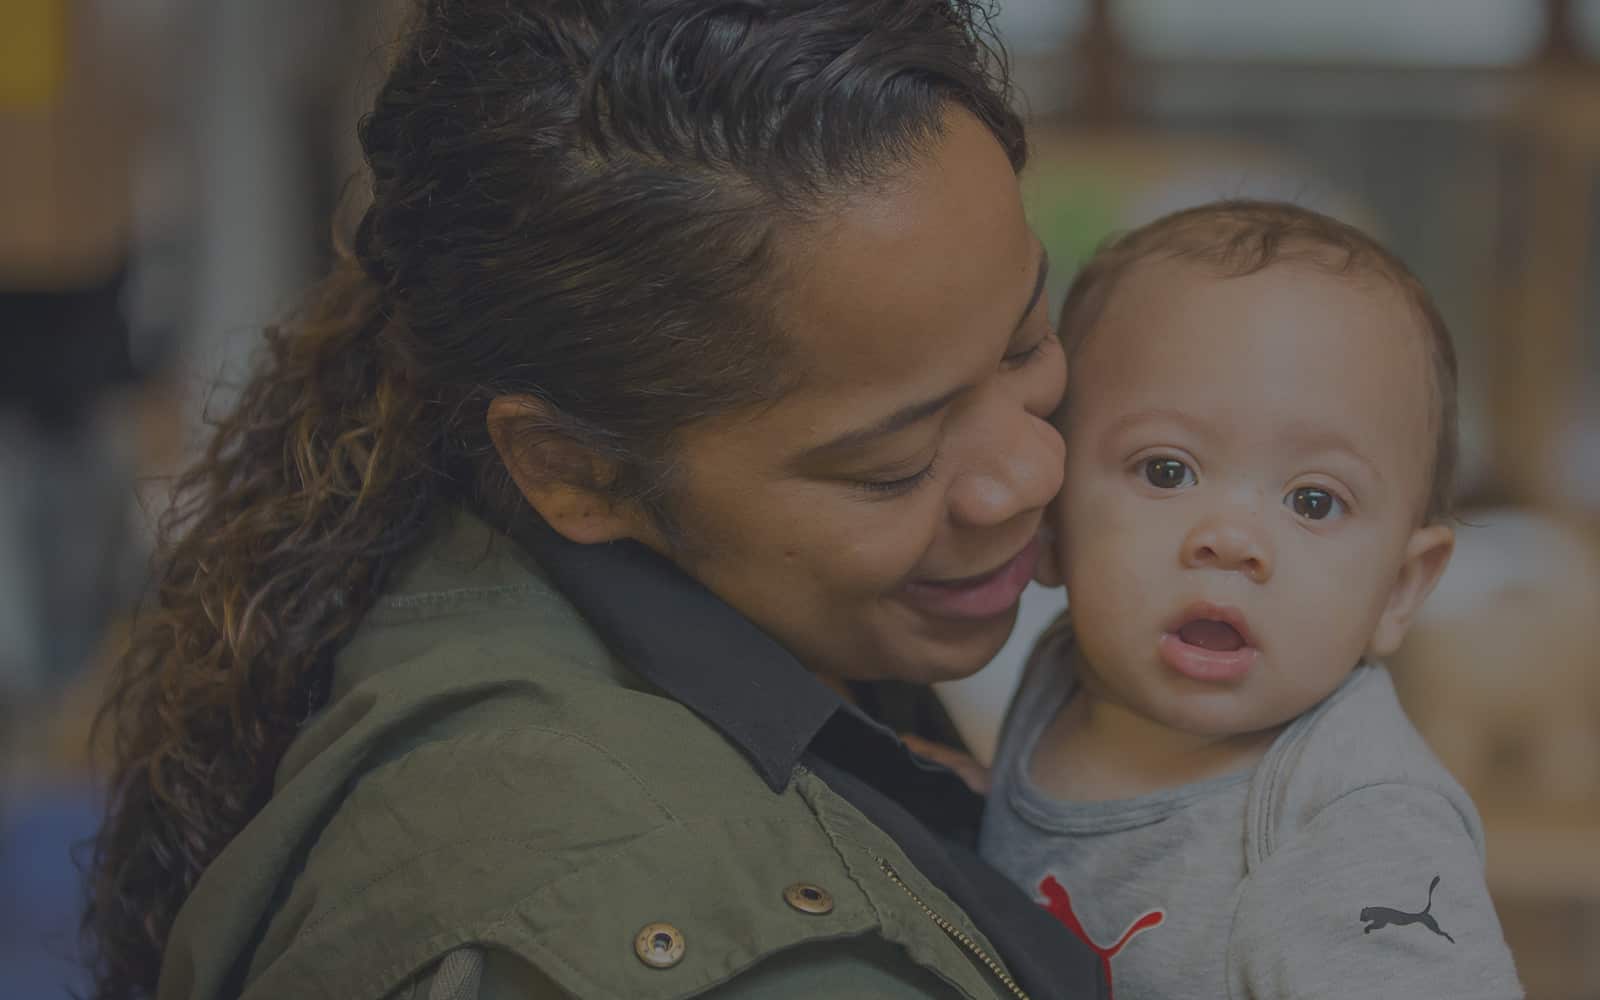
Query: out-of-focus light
1037, 26
1433, 32
1586, 19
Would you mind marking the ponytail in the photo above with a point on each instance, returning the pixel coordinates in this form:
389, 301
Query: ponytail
278, 541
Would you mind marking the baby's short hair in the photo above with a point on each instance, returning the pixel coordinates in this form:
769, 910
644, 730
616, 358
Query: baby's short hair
1240, 237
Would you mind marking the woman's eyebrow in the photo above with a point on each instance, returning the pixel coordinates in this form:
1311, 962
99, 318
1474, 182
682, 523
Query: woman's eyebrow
897, 421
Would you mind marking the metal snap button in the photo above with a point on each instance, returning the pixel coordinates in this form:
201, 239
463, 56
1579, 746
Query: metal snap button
808, 898
659, 946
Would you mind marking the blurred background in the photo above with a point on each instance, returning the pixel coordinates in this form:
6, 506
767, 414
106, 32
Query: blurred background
169, 175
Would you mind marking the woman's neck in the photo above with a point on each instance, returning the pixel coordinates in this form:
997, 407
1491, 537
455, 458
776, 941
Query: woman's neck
839, 686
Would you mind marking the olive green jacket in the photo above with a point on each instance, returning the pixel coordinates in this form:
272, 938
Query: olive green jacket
491, 805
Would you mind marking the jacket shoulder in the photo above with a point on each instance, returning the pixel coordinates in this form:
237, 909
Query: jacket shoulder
1359, 738
559, 840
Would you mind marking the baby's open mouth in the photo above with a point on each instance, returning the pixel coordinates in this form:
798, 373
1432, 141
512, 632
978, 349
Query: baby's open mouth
1208, 633
1210, 643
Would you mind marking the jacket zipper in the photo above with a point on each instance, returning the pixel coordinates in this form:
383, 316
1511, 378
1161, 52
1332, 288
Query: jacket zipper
955, 933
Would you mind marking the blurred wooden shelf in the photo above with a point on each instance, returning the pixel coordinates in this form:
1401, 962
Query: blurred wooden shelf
1544, 852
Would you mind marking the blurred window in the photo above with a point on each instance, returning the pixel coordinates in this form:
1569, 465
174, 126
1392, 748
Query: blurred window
1039, 26
1428, 32
1586, 23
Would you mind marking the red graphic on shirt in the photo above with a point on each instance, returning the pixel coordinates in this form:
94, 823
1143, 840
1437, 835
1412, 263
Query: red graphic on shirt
1059, 903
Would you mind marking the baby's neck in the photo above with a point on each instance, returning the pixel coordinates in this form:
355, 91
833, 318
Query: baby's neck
1096, 750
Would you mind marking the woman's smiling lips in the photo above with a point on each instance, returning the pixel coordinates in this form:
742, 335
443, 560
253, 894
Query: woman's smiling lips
977, 597
1210, 643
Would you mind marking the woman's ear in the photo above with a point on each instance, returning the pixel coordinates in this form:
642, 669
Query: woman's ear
1427, 554
562, 479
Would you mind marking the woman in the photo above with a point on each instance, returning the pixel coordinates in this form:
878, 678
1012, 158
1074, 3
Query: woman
685, 343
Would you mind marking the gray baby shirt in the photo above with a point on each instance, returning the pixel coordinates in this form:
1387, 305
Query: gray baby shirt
1347, 863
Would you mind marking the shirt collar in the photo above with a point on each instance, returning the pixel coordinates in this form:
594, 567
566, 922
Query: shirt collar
668, 628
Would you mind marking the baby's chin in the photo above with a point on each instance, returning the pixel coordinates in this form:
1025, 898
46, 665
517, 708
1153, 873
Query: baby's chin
1225, 714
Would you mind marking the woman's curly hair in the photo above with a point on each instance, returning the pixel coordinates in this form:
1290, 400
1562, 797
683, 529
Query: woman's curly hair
577, 201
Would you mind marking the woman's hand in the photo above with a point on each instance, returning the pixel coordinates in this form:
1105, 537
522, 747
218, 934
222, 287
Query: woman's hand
962, 763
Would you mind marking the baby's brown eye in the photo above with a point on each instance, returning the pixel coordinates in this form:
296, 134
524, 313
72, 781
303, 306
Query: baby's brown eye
1313, 504
1168, 473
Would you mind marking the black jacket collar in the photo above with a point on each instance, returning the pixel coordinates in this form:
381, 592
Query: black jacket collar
680, 637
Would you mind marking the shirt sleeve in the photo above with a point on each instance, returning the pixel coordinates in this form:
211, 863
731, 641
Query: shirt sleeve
1382, 894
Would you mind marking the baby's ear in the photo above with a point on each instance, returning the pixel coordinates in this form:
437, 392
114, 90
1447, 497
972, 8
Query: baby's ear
1427, 555
1050, 572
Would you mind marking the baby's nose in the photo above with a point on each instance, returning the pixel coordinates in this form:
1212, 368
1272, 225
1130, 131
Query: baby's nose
1231, 545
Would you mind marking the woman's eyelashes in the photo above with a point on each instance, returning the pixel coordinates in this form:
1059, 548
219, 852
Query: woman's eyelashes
1018, 359
899, 486
903, 485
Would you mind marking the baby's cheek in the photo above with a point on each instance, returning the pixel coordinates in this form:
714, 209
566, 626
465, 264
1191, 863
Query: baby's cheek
1335, 607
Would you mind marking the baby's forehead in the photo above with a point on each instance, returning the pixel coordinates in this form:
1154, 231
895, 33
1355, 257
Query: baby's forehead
1268, 345
1296, 264
1320, 279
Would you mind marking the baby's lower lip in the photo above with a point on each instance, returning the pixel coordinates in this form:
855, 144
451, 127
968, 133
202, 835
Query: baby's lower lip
1207, 665
986, 597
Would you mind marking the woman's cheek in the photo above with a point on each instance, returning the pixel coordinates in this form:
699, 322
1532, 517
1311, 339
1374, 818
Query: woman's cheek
890, 547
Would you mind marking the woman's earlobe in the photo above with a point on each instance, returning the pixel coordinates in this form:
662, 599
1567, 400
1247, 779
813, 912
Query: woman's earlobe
562, 479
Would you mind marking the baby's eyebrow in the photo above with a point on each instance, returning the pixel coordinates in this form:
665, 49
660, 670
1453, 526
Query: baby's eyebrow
1153, 415
1322, 440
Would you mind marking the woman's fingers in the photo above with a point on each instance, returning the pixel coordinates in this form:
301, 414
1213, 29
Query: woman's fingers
962, 763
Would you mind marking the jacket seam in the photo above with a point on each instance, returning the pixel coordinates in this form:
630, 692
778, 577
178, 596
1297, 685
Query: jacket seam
435, 605
363, 887
376, 984
508, 915
479, 735
433, 598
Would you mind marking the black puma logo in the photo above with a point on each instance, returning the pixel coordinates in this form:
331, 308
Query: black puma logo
1382, 916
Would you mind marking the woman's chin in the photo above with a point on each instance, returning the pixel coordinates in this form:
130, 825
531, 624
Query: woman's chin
953, 651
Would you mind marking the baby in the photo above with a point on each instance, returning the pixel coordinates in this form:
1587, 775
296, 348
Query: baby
1205, 774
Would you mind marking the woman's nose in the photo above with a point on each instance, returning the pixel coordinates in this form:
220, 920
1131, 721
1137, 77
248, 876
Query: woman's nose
1017, 471
1229, 543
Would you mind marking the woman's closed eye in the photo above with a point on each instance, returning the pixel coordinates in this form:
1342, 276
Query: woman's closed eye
901, 485
1029, 354
898, 486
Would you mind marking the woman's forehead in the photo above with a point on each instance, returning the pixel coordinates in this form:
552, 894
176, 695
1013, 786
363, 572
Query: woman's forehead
900, 301
916, 274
